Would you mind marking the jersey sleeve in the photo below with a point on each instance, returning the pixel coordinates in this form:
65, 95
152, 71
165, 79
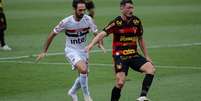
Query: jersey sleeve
110, 28
92, 25
60, 27
140, 27
141, 31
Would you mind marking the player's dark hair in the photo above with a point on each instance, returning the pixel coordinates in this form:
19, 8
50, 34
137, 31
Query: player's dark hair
123, 2
75, 2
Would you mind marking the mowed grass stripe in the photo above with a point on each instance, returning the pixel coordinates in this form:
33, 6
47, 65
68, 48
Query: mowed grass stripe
101, 90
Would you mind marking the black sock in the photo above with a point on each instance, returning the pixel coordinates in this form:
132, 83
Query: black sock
146, 84
116, 93
2, 38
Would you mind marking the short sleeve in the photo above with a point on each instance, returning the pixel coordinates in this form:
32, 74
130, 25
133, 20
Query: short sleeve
60, 27
110, 28
92, 25
141, 31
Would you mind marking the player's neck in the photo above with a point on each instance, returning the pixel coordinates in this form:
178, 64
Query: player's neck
125, 18
76, 18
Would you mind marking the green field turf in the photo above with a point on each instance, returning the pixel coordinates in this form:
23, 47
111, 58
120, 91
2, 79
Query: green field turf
172, 33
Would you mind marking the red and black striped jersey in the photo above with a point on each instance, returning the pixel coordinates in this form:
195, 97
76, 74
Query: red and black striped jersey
125, 34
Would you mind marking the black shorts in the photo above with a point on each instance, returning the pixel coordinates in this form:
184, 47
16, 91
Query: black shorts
123, 63
90, 5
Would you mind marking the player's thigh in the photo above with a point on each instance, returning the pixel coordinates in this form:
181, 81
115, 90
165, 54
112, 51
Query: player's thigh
137, 62
148, 68
77, 59
120, 65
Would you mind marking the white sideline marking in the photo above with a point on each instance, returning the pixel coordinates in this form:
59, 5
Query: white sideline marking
49, 54
99, 64
95, 51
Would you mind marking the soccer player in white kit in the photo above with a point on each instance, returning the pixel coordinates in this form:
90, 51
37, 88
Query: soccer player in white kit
76, 28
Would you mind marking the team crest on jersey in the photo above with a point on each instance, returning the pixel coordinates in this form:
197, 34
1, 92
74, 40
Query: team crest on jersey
119, 22
136, 22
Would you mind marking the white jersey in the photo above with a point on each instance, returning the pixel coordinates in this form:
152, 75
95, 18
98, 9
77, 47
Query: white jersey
76, 31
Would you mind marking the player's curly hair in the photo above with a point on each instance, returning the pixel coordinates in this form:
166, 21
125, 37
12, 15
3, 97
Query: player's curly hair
123, 2
75, 2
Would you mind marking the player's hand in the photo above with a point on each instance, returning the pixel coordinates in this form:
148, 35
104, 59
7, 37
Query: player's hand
100, 45
40, 56
88, 48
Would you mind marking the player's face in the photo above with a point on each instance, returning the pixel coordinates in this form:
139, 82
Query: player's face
127, 10
80, 10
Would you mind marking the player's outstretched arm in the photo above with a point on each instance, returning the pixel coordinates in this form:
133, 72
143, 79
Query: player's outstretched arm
100, 44
95, 40
46, 46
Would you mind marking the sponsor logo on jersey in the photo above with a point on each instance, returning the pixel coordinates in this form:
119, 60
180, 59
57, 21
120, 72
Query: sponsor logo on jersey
128, 30
78, 40
127, 52
123, 38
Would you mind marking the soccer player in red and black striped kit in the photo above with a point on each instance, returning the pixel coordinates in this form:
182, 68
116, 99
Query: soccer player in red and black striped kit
127, 32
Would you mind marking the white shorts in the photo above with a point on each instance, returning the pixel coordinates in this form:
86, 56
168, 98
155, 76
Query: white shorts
73, 56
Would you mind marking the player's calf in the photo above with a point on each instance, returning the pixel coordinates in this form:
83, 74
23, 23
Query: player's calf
116, 91
149, 71
73, 97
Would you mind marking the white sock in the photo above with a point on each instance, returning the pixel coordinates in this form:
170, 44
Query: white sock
75, 86
84, 84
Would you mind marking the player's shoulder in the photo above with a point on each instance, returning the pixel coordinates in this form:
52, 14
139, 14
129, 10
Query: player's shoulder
68, 18
136, 18
120, 18
87, 17
113, 22
117, 18
116, 21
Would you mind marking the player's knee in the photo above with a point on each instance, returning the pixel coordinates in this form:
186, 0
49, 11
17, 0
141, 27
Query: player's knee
82, 68
120, 84
83, 71
120, 79
150, 70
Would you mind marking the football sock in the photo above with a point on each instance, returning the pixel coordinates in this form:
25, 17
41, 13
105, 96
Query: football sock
116, 93
75, 86
84, 84
146, 84
2, 39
